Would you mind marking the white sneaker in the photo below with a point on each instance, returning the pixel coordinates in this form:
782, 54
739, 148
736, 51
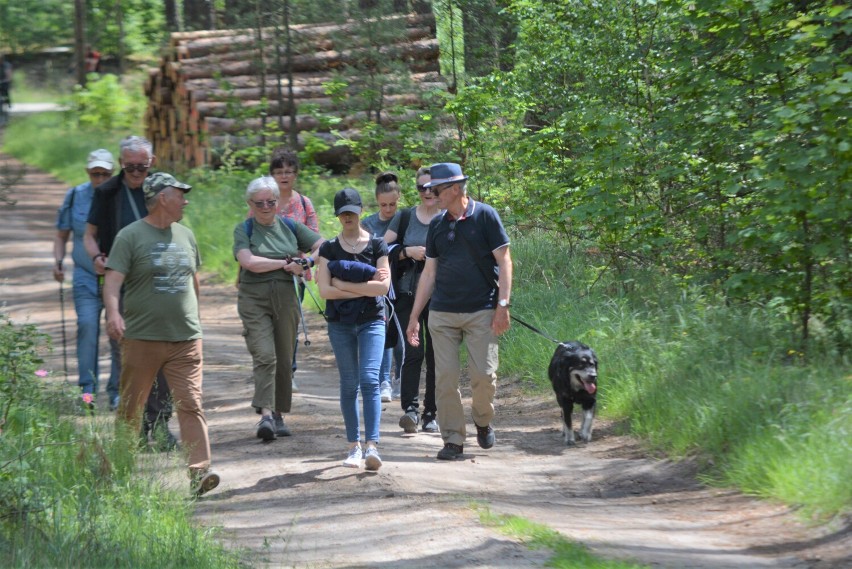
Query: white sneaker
354, 458
385, 391
372, 461
294, 388
396, 388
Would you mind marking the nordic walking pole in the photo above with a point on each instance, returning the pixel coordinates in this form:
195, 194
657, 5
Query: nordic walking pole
62, 310
301, 312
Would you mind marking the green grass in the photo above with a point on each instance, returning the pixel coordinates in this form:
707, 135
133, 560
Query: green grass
72, 493
55, 144
694, 375
566, 554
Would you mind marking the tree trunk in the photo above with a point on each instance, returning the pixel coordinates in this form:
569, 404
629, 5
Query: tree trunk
80, 40
172, 23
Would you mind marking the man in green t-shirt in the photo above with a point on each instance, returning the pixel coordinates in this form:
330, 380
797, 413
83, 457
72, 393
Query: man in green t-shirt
156, 260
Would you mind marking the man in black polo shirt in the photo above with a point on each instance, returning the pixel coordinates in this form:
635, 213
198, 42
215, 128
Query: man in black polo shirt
468, 277
118, 202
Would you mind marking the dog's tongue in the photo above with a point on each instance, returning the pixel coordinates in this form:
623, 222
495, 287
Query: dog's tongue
590, 387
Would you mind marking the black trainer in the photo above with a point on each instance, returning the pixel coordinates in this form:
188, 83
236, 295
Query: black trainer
409, 421
485, 436
430, 425
266, 428
450, 452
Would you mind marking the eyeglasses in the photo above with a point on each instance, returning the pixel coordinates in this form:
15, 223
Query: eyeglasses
136, 167
100, 174
267, 203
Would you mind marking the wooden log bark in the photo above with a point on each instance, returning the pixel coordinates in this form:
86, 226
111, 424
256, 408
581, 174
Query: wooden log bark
418, 52
214, 125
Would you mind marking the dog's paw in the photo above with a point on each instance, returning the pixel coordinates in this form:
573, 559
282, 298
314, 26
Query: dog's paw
568, 436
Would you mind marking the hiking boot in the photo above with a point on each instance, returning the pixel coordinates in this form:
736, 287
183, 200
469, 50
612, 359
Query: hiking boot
202, 481
266, 428
409, 421
450, 452
372, 461
354, 458
485, 436
164, 440
385, 392
281, 429
429, 424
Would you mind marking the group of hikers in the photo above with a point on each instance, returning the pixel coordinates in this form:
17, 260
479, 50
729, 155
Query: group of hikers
401, 288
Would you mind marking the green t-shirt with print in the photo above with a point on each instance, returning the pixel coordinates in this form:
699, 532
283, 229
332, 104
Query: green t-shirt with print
159, 265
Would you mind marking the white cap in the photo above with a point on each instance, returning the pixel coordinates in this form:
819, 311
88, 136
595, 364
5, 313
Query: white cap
100, 158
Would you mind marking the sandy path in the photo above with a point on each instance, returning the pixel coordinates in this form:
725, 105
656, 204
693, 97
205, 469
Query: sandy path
293, 505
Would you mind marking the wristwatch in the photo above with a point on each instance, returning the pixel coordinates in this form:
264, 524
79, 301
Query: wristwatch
503, 302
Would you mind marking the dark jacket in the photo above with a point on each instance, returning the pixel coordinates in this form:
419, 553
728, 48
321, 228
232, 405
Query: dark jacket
106, 212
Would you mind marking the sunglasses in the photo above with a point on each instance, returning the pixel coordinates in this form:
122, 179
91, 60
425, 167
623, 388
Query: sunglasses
424, 188
267, 203
440, 188
137, 167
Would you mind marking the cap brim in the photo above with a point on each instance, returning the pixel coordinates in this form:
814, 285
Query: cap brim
441, 181
348, 209
100, 164
182, 186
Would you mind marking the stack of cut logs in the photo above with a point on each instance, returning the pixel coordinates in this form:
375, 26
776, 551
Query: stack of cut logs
200, 99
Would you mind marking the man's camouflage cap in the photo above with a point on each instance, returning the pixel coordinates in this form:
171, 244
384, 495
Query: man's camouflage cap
159, 181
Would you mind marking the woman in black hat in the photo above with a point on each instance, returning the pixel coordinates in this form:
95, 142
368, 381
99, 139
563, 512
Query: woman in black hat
353, 276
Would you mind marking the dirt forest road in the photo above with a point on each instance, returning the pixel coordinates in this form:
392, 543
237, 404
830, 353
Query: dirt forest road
293, 504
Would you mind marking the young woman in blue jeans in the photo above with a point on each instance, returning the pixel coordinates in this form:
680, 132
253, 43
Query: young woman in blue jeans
353, 276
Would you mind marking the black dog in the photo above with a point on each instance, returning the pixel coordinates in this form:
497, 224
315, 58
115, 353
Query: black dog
573, 374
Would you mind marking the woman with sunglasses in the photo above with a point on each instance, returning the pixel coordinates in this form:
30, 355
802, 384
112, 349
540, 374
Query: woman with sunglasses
268, 248
411, 238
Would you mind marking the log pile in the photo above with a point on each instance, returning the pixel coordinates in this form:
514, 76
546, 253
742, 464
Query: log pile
218, 89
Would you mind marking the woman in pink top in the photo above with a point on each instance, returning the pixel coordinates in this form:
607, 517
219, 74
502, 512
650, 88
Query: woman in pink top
284, 168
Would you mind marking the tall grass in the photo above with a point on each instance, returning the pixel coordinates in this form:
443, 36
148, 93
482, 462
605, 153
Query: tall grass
70, 491
694, 375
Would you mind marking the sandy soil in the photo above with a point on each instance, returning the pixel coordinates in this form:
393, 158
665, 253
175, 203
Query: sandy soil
292, 504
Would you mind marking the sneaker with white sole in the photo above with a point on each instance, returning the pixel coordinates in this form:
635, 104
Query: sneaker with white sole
385, 392
354, 458
409, 421
372, 461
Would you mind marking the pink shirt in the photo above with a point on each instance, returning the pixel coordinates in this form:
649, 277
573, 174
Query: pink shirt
300, 209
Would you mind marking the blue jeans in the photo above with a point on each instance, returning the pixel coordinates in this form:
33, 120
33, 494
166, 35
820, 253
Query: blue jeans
358, 349
87, 304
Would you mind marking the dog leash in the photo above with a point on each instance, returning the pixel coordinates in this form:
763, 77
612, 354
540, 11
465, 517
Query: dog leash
534, 329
